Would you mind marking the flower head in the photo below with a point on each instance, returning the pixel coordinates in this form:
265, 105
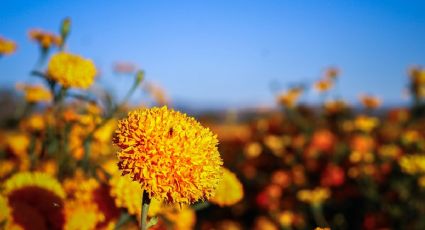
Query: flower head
229, 190
173, 157
35, 93
71, 70
7, 46
44, 39
35, 201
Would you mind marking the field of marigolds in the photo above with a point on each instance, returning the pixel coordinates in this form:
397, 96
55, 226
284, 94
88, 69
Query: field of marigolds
72, 157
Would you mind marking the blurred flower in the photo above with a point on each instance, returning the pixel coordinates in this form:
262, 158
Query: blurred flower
35, 201
252, 150
335, 106
71, 70
228, 225
7, 47
315, 197
370, 102
323, 85
281, 178
332, 73
157, 93
410, 136
365, 123
171, 155
417, 85
390, 151
333, 175
35, 93
286, 218
127, 194
264, 223
290, 97
413, 164
182, 218
125, 68
319, 228
45, 39
323, 140
88, 195
34, 123
229, 191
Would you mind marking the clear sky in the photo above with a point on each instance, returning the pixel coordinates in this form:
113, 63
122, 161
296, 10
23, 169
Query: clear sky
228, 52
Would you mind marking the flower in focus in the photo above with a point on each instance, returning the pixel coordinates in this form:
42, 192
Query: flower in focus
7, 47
171, 155
35, 201
314, 197
229, 190
45, 39
290, 97
35, 93
71, 70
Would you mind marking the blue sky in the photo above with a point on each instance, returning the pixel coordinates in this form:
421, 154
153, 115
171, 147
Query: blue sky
227, 53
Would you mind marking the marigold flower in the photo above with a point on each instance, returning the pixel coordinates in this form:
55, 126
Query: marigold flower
315, 196
44, 39
290, 98
323, 85
7, 47
171, 155
71, 70
370, 102
229, 190
365, 123
413, 164
35, 93
35, 201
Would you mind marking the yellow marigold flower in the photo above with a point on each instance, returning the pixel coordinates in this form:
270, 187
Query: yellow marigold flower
4, 209
34, 123
6, 168
335, 106
365, 123
17, 143
35, 93
127, 195
82, 216
264, 223
413, 164
7, 46
71, 70
290, 98
93, 197
370, 102
319, 228
315, 196
171, 155
39, 196
323, 85
229, 190
44, 39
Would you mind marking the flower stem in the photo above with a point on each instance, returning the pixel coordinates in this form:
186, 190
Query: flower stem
145, 208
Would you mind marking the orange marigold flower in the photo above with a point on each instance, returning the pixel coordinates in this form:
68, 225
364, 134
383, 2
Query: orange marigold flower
173, 157
35, 93
315, 196
323, 85
370, 102
290, 98
229, 190
71, 70
7, 46
44, 39
35, 201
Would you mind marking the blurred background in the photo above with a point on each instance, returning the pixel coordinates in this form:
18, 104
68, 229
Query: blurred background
221, 54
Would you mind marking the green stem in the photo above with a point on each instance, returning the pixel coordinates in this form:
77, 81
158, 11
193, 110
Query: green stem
145, 208
318, 215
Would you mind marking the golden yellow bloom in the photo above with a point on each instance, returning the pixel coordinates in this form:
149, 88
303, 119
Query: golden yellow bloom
229, 190
35, 93
319, 228
127, 194
82, 216
71, 70
290, 98
182, 219
34, 123
44, 39
413, 164
370, 102
17, 143
315, 196
365, 123
6, 168
171, 155
264, 223
39, 197
4, 209
323, 85
7, 46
